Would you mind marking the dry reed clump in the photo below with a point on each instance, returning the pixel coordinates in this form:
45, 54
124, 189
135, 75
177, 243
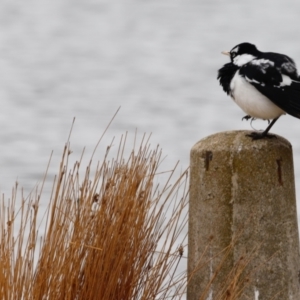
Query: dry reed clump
114, 234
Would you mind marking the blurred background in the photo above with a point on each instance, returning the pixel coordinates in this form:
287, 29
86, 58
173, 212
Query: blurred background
156, 59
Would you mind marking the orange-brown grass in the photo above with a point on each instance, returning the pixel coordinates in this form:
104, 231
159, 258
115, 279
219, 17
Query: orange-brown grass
111, 233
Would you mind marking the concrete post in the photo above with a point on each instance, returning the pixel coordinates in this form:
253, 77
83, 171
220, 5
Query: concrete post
242, 196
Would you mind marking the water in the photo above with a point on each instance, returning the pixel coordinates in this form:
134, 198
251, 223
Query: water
158, 60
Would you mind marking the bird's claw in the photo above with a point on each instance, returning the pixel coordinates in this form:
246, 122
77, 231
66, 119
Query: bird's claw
246, 118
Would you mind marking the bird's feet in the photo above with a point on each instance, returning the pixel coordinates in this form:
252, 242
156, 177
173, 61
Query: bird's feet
255, 135
246, 118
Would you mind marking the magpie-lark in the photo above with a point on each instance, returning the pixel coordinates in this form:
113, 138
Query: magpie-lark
265, 85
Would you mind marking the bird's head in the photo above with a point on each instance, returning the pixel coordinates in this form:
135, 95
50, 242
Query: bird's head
242, 54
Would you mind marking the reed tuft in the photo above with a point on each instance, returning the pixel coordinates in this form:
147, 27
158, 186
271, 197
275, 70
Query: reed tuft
111, 232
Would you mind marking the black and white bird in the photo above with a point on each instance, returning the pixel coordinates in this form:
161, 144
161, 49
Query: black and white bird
265, 85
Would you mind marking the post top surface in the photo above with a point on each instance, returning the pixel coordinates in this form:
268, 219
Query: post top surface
228, 139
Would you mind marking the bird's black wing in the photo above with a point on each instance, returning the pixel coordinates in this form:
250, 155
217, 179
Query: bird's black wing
267, 79
283, 63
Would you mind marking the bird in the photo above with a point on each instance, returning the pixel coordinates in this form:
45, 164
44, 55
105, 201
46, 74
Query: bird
265, 85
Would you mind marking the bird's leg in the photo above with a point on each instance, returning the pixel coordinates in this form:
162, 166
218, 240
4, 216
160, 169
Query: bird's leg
251, 122
260, 135
246, 118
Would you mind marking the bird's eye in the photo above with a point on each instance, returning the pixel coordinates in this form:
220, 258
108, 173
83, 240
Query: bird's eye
233, 54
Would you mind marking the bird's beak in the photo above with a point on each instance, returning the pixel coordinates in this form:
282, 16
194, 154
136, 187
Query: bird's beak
226, 53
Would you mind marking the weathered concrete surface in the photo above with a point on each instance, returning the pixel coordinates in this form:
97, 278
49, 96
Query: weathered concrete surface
244, 188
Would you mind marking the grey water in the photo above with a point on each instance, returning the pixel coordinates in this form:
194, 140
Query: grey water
158, 60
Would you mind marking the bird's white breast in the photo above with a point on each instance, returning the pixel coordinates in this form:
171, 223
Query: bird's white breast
251, 101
